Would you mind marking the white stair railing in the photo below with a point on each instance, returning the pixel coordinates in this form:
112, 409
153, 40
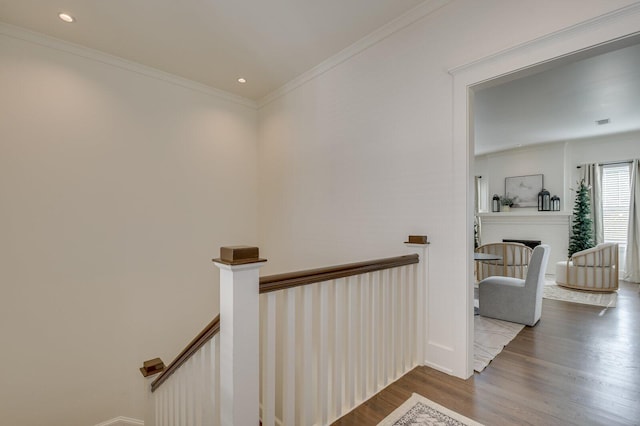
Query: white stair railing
187, 392
327, 345
297, 349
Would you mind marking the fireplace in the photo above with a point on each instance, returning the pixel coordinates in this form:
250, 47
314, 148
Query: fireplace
551, 228
528, 243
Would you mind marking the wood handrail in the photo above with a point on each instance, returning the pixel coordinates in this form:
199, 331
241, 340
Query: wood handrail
199, 341
280, 282
310, 276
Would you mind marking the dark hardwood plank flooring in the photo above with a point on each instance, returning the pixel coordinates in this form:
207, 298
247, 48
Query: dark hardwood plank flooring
580, 365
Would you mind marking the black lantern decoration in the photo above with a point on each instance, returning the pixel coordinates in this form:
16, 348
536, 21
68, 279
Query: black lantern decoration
555, 203
495, 203
544, 201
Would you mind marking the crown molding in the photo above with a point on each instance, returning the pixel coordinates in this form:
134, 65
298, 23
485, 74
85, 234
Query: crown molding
23, 34
122, 421
406, 19
623, 12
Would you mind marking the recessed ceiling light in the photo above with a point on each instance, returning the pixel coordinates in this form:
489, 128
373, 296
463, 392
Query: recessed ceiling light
242, 80
66, 17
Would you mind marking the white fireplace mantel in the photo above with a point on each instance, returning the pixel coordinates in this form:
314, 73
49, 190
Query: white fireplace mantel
551, 228
528, 217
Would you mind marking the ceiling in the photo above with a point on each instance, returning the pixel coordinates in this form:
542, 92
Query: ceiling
214, 42
269, 43
562, 102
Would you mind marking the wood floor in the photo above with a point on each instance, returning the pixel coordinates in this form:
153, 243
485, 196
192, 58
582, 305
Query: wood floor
579, 366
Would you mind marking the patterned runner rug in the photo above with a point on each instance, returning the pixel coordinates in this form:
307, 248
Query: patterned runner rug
554, 291
420, 411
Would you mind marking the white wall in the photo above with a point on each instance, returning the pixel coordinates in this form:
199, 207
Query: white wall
357, 158
547, 159
117, 189
620, 147
556, 161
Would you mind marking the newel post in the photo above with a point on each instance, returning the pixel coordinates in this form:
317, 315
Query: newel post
418, 244
239, 335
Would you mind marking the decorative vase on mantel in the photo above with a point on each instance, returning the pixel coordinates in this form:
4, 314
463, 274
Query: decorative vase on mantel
507, 201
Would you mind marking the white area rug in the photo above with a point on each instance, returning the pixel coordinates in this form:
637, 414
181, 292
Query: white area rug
554, 291
420, 411
490, 337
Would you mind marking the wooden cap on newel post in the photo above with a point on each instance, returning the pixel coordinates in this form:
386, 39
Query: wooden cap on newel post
152, 366
417, 239
239, 255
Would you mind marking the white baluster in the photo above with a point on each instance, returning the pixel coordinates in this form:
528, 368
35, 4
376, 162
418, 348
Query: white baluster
288, 359
401, 306
377, 332
393, 323
269, 361
386, 331
323, 352
215, 372
175, 397
201, 392
309, 356
338, 347
365, 325
353, 327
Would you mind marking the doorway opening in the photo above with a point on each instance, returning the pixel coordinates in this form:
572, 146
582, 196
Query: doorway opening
555, 51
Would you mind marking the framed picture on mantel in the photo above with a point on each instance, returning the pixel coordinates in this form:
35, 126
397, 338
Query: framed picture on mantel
524, 189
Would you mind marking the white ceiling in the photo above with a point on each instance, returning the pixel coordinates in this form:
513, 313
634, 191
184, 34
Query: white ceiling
561, 103
268, 42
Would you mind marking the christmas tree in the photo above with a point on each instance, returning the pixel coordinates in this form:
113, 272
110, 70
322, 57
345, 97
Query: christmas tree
581, 230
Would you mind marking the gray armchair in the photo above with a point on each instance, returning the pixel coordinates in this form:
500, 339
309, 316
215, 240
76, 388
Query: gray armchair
514, 299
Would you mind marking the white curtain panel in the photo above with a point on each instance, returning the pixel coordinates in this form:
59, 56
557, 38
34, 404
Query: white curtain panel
592, 175
632, 257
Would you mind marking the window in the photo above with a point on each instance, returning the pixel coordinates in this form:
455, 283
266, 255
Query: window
615, 206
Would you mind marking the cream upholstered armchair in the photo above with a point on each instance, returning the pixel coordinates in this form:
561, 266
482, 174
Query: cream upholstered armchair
594, 269
514, 260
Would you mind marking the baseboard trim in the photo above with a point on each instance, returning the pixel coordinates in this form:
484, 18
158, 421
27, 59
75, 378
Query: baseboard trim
438, 367
122, 421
